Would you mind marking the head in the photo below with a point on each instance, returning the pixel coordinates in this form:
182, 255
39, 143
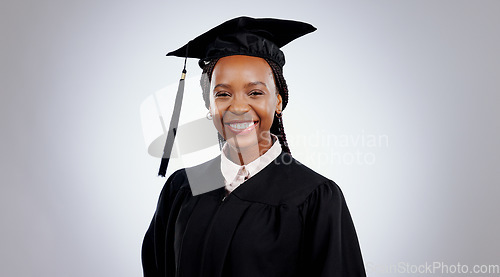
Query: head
255, 37
246, 96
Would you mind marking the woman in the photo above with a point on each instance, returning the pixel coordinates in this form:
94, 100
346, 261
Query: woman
254, 210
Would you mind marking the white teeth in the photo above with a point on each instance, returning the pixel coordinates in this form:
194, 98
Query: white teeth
241, 126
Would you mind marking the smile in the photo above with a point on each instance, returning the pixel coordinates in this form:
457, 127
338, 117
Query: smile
241, 127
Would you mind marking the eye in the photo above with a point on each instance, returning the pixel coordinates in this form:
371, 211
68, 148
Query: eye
255, 92
222, 94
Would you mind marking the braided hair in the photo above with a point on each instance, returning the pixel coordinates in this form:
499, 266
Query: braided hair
281, 86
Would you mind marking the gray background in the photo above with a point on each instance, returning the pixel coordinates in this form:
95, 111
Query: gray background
78, 188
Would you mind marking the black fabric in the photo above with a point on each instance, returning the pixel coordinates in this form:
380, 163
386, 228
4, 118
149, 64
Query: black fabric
260, 37
285, 221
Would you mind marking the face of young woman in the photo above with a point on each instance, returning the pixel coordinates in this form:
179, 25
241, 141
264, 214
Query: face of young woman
243, 101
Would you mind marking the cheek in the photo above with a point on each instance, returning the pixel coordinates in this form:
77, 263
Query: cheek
214, 108
217, 118
266, 112
217, 110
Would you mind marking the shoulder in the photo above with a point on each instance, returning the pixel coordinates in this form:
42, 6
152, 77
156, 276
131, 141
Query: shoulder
197, 179
296, 183
176, 181
175, 186
298, 171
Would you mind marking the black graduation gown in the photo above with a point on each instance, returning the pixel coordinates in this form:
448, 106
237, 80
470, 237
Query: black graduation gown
286, 220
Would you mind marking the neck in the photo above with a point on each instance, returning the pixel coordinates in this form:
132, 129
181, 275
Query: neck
244, 156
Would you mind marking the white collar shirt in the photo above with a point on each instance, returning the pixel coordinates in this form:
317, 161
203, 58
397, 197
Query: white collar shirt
235, 175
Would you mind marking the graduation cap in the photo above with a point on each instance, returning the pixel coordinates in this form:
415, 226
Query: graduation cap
259, 37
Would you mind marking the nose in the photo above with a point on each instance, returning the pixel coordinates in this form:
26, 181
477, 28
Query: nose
239, 105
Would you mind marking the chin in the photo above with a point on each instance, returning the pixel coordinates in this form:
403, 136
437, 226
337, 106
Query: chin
242, 143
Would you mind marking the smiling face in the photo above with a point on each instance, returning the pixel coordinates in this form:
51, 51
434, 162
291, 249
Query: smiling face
243, 101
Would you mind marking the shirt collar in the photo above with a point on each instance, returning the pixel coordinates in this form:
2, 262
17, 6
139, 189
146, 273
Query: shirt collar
230, 170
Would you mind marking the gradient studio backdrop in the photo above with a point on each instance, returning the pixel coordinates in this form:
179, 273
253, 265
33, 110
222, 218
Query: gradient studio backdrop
397, 101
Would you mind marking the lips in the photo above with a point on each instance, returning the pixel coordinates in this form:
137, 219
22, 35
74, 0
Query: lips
241, 127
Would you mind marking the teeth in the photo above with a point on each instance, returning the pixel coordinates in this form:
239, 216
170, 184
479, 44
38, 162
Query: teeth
241, 126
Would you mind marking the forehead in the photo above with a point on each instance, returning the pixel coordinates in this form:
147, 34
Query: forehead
242, 68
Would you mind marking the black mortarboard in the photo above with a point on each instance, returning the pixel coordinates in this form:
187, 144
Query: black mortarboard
259, 37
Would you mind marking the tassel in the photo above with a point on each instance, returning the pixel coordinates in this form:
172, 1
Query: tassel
174, 122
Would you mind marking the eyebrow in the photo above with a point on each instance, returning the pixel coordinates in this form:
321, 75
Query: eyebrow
222, 86
256, 83
251, 84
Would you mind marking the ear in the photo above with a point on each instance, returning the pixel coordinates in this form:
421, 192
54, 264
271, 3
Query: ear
279, 104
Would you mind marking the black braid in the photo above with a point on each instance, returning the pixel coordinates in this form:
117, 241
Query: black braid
277, 126
281, 86
206, 78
